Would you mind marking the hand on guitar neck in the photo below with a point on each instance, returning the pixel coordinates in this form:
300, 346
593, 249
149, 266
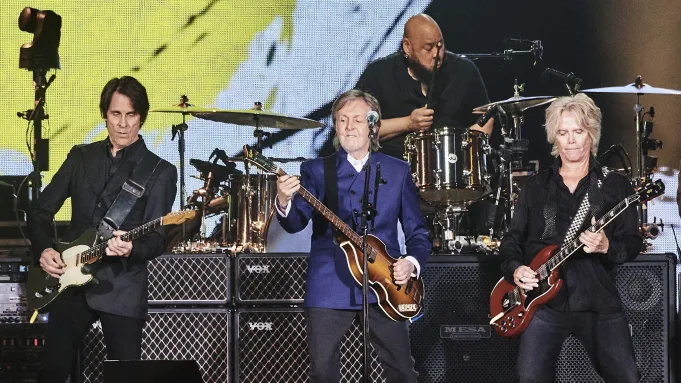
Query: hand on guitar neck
594, 242
116, 247
287, 186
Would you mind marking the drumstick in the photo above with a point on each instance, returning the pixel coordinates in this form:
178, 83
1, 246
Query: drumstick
436, 61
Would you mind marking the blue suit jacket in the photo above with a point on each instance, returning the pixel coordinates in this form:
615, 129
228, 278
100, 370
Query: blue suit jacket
329, 281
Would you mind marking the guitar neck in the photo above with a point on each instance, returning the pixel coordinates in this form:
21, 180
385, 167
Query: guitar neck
98, 251
330, 216
574, 245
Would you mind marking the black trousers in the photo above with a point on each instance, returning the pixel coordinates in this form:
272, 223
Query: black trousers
326, 329
606, 338
67, 325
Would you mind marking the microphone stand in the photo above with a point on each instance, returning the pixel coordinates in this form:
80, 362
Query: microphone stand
368, 214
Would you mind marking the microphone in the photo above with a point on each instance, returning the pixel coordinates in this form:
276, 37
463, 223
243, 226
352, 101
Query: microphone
372, 119
569, 78
488, 114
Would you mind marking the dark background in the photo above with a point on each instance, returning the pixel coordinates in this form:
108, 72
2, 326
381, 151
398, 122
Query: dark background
606, 43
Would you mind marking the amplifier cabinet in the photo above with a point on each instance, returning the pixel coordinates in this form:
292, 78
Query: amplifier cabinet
270, 345
270, 278
453, 341
189, 279
202, 335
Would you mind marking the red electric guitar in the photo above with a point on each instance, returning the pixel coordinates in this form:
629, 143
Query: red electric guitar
512, 308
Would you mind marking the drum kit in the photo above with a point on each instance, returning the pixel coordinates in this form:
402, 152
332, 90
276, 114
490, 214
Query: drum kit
455, 170
243, 200
451, 168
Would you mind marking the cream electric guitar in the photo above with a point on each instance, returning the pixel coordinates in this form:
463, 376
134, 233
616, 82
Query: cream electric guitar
44, 290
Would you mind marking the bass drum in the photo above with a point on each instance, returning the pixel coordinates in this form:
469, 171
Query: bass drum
278, 240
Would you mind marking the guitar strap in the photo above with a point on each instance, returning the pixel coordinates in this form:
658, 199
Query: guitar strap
331, 185
586, 206
131, 190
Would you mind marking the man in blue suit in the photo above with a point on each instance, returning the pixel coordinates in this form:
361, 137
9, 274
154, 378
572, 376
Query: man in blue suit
333, 298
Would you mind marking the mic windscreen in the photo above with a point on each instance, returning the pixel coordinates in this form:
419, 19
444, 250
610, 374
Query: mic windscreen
372, 117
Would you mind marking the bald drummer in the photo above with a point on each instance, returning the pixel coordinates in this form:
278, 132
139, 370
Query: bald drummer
401, 84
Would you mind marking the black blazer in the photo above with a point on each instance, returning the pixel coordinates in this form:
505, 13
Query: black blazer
122, 287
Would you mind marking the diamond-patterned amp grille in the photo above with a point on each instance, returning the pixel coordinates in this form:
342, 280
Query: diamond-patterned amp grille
271, 346
270, 278
188, 334
189, 279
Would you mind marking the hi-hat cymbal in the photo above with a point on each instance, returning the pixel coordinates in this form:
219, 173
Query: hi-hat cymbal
633, 89
516, 104
220, 172
183, 109
259, 118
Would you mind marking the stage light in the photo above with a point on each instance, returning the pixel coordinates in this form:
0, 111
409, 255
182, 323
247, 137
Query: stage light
43, 52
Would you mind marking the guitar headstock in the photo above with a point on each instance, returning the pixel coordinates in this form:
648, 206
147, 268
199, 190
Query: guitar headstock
178, 217
253, 156
650, 191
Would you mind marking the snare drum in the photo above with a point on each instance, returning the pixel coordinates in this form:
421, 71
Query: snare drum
449, 166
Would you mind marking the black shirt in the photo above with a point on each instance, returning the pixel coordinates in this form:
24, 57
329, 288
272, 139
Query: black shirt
114, 162
588, 280
458, 89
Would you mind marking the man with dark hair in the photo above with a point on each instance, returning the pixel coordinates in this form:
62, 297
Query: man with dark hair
92, 176
400, 82
333, 299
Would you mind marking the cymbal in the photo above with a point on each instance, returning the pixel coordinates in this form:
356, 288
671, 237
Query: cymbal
633, 89
259, 118
183, 109
516, 104
220, 172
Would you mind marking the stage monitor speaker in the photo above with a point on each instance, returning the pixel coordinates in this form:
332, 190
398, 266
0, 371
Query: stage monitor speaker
202, 335
151, 371
271, 346
453, 341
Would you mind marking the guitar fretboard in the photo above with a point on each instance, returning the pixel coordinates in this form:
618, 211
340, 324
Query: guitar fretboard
96, 252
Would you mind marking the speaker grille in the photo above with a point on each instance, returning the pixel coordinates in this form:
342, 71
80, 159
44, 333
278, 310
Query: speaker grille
271, 278
193, 334
271, 346
189, 279
457, 304
644, 286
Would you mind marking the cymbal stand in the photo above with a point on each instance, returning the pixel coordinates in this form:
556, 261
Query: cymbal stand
642, 146
178, 130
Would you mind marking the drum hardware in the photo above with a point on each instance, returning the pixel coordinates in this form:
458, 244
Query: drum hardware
645, 163
244, 200
572, 83
534, 48
448, 237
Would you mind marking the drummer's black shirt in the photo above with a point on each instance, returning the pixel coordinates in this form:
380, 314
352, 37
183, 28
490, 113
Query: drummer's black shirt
588, 279
457, 90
